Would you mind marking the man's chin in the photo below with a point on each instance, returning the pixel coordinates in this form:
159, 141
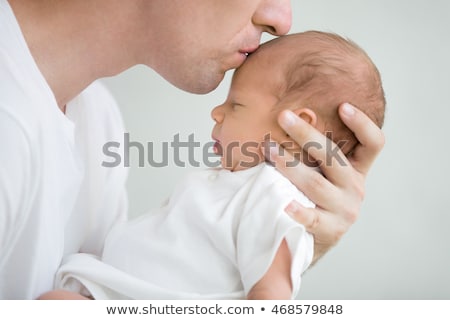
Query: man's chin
203, 86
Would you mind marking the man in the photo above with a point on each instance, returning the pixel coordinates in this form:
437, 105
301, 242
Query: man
55, 198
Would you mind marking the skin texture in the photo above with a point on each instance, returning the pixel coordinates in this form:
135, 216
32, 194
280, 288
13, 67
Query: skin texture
211, 39
276, 283
192, 44
62, 295
249, 115
339, 192
196, 41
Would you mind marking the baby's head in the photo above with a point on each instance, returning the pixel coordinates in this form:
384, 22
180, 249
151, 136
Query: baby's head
311, 73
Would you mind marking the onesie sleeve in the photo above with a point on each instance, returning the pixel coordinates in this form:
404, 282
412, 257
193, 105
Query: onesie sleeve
264, 224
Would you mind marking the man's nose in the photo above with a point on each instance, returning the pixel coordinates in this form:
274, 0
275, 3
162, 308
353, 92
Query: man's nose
275, 16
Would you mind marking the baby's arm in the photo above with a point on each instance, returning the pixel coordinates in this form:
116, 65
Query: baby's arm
62, 295
276, 283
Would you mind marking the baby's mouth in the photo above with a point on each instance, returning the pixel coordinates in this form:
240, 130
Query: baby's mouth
217, 148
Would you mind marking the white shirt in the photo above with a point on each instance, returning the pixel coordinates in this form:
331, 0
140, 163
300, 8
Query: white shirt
214, 239
55, 196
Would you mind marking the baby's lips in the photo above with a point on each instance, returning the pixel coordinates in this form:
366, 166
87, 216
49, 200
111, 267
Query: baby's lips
218, 148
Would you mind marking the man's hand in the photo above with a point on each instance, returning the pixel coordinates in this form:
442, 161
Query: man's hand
339, 191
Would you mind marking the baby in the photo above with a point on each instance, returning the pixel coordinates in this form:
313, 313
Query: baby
224, 234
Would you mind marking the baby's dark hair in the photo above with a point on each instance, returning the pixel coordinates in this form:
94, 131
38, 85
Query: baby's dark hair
328, 71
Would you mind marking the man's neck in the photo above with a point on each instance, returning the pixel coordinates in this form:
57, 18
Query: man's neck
73, 42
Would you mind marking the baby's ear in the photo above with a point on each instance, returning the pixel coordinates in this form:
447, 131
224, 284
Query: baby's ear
307, 115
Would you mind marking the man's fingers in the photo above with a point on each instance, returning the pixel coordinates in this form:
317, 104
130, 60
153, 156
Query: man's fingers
318, 223
311, 182
332, 161
306, 216
370, 137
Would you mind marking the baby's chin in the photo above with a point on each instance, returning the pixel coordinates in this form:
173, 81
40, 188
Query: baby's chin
240, 164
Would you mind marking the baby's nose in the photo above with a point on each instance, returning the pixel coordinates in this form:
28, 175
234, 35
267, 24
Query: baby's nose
217, 114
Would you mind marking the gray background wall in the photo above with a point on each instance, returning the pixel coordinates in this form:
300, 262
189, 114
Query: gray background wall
400, 246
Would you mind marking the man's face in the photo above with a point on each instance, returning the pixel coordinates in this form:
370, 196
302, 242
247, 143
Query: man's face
197, 41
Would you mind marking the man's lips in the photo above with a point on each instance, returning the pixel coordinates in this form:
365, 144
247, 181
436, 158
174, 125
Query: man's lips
248, 50
245, 52
241, 55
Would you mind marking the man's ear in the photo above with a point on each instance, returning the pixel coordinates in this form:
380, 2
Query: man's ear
307, 115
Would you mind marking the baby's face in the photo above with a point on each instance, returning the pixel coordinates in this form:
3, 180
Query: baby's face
248, 115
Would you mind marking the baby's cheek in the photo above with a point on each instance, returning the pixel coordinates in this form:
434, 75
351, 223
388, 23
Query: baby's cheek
251, 155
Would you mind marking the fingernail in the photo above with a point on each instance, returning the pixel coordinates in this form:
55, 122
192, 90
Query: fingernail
291, 208
348, 110
289, 118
